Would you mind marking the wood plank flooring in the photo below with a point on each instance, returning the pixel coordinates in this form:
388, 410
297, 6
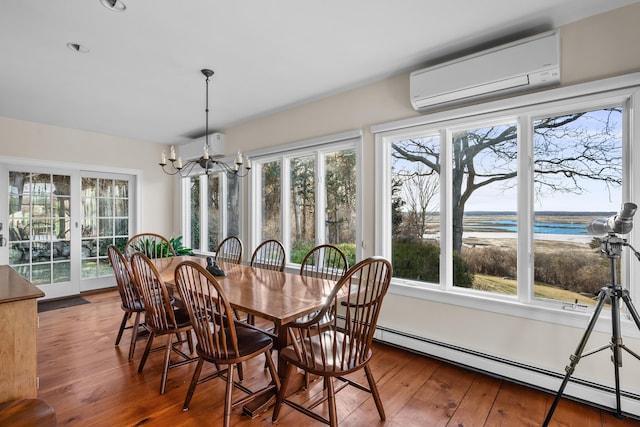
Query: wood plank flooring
89, 382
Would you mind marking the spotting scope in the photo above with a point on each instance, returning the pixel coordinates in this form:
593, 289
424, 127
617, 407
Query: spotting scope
620, 223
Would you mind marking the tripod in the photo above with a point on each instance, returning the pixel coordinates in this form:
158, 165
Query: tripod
611, 246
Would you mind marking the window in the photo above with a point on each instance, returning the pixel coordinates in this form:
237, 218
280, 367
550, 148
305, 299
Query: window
307, 196
212, 210
496, 205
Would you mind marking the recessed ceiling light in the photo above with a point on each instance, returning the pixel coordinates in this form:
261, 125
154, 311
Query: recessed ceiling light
78, 47
115, 5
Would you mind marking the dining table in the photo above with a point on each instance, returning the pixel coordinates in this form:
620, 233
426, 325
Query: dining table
279, 297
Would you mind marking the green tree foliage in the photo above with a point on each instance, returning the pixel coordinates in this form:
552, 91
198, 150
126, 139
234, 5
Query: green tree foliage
421, 261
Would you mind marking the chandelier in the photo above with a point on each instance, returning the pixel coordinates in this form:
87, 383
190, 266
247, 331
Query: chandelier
206, 163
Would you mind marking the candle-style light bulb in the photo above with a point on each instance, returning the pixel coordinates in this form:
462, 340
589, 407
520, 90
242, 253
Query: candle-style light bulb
179, 163
163, 158
172, 153
247, 164
239, 159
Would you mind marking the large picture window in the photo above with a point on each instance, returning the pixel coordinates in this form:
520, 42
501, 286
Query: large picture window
500, 207
307, 196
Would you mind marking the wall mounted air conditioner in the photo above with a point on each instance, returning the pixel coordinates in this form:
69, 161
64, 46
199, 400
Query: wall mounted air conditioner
193, 150
521, 65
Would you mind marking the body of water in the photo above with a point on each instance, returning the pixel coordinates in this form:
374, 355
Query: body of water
565, 223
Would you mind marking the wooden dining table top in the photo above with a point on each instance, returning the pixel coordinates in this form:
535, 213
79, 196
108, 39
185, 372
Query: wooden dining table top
276, 296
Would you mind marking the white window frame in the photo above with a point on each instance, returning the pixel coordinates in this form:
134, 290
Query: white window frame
185, 208
319, 147
623, 90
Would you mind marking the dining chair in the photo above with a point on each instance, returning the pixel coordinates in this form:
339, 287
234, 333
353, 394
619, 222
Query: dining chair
324, 261
220, 340
342, 348
162, 316
269, 255
131, 300
151, 244
230, 250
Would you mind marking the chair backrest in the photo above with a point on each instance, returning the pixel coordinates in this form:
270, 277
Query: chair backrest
155, 296
325, 262
269, 255
230, 250
346, 343
124, 279
151, 244
209, 310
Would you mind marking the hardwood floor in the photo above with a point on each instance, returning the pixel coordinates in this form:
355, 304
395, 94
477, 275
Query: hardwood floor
89, 382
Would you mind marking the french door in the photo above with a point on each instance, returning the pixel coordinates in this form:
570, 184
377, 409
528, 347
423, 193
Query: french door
59, 224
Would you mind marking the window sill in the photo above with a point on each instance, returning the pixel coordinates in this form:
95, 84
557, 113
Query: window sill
551, 313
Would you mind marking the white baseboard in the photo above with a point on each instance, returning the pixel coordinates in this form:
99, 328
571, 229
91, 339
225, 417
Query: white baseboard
594, 394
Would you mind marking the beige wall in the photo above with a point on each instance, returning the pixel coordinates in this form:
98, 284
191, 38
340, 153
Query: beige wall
75, 149
599, 47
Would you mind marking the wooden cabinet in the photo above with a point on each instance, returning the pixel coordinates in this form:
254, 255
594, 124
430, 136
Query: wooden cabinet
18, 324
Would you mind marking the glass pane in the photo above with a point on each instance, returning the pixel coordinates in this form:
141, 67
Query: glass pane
105, 227
303, 207
213, 212
40, 251
89, 187
61, 250
484, 208
89, 227
271, 201
121, 207
194, 185
415, 208
104, 268
105, 207
233, 206
341, 198
121, 188
89, 248
578, 177
19, 253
105, 188
62, 228
121, 227
61, 185
41, 274
103, 244
89, 269
61, 272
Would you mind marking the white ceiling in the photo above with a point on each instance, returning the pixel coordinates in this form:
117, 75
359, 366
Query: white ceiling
141, 78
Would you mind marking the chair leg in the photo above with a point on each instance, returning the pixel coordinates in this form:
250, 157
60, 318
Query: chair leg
282, 392
146, 351
331, 393
167, 359
134, 336
374, 391
123, 325
194, 383
190, 341
272, 370
240, 372
227, 398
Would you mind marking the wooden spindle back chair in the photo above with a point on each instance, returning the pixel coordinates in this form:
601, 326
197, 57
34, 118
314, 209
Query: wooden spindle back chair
131, 300
324, 261
230, 250
162, 316
269, 255
219, 339
345, 346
